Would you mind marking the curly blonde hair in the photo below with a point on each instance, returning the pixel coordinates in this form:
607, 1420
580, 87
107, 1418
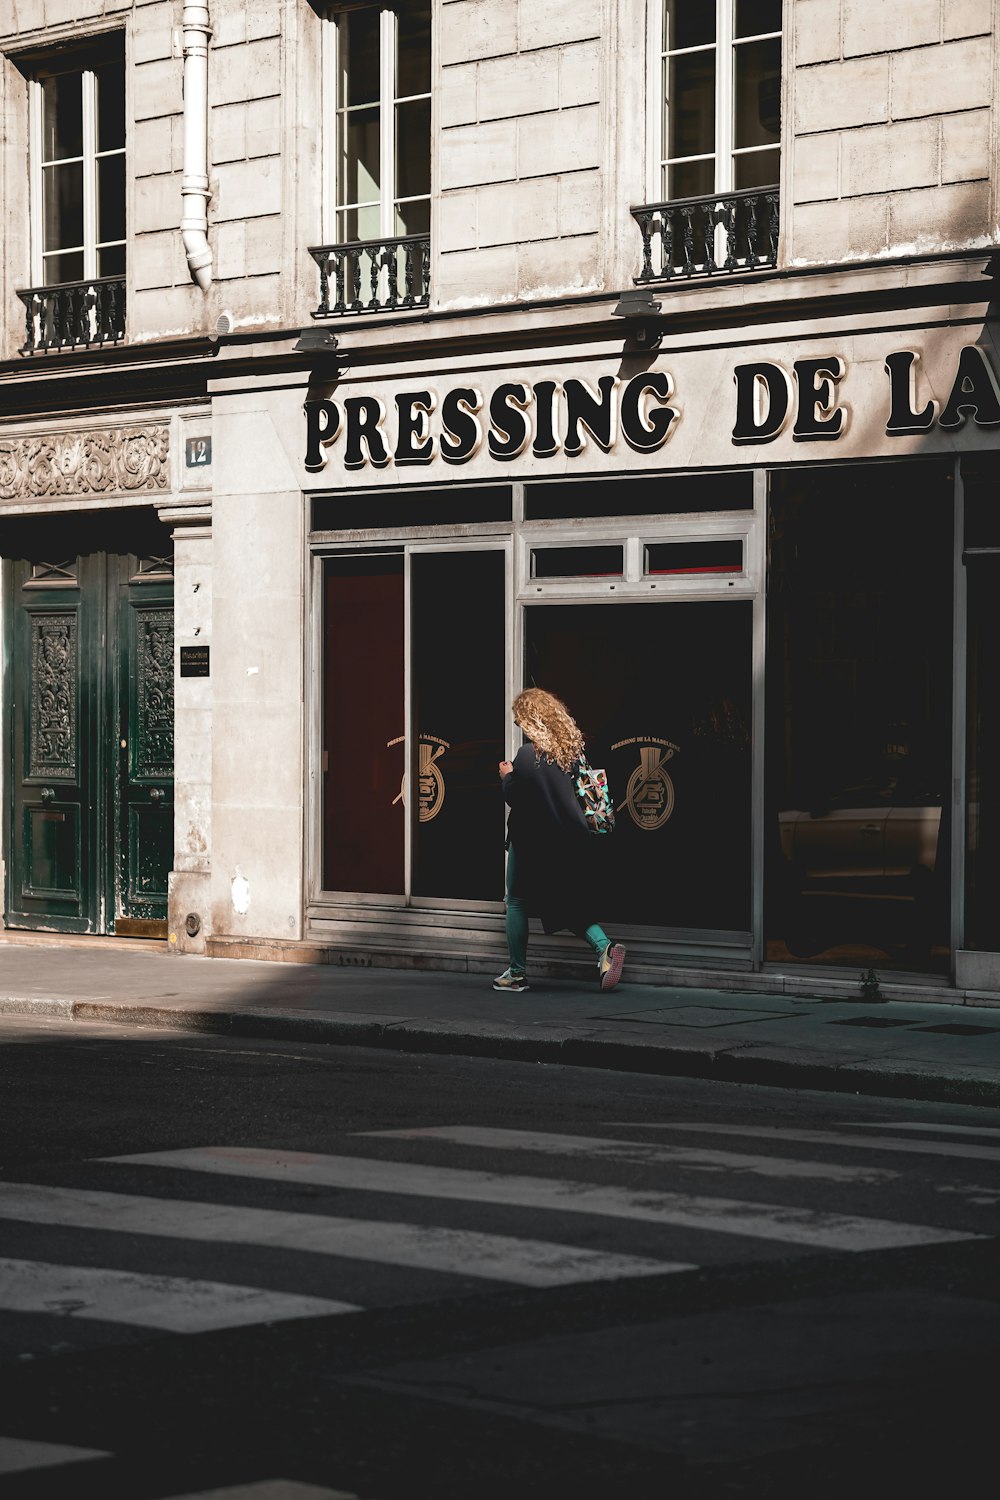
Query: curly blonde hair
549, 726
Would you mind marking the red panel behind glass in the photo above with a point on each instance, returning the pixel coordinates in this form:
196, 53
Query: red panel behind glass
363, 822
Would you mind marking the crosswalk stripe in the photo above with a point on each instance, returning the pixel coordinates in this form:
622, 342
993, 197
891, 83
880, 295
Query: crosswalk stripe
967, 1150
270, 1489
19, 1455
927, 1126
768, 1221
492, 1257
173, 1304
596, 1148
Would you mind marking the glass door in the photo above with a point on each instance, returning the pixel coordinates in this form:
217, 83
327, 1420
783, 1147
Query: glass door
415, 695
458, 716
662, 692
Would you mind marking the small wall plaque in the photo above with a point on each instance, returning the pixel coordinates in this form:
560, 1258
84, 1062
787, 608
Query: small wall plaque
194, 661
198, 452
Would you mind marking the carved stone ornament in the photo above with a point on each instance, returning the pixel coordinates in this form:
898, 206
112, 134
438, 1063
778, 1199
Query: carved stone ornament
84, 463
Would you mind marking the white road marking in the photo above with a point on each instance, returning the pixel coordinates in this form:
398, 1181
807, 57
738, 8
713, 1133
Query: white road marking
972, 1192
269, 1489
923, 1125
18, 1455
491, 1257
174, 1304
767, 1221
593, 1148
966, 1150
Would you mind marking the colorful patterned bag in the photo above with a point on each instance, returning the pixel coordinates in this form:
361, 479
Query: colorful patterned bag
591, 786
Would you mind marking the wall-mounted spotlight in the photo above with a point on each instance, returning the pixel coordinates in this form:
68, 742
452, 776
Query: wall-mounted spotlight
321, 346
640, 309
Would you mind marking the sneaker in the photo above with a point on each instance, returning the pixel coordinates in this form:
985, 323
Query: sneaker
610, 965
508, 980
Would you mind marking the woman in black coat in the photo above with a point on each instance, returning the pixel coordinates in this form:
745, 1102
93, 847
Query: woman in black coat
549, 843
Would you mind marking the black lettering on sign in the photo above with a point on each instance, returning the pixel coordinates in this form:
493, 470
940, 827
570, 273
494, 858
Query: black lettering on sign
818, 416
647, 428
762, 400
462, 433
322, 426
365, 415
903, 416
546, 443
414, 443
975, 390
508, 420
595, 413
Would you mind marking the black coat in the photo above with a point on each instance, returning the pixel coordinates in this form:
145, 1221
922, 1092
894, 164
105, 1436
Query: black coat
552, 843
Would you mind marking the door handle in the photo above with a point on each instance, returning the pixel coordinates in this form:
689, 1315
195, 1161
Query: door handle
156, 795
47, 794
871, 828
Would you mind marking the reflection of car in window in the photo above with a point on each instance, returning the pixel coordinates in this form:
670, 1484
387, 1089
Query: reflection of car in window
879, 830
878, 839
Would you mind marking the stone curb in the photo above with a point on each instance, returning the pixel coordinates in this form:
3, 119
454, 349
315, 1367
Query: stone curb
581, 1049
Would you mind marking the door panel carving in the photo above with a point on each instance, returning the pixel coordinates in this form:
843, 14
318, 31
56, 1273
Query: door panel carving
54, 713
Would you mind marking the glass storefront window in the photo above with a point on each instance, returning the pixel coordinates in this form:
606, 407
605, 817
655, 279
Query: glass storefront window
980, 476
858, 730
662, 694
982, 913
662, 495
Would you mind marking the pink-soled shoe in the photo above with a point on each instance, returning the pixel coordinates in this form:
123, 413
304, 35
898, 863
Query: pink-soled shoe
610, 965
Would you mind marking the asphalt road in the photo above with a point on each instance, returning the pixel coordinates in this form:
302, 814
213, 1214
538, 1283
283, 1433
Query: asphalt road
284, 1272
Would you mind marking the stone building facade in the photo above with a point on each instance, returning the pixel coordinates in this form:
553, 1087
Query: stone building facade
361, 364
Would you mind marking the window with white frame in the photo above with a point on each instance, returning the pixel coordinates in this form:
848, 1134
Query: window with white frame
378, 64
720, 78
77, 164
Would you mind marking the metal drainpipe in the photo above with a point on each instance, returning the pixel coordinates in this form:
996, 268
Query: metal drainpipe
194, 184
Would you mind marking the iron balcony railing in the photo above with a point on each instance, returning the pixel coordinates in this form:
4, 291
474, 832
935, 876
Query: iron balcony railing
73, 315
718, 234
373, 275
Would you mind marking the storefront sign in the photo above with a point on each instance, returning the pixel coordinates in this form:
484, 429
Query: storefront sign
549, 417
194, 661
650, 794
430, 781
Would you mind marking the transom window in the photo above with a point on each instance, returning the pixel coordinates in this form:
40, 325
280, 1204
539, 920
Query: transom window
379, 58
720, 66
77, 154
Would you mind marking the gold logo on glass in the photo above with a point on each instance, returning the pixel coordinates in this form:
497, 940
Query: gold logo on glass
430, 781
649, 795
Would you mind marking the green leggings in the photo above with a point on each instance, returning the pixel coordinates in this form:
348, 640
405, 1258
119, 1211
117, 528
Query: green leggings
517, 927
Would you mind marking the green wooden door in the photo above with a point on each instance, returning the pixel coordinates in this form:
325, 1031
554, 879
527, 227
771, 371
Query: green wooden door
90, 832
143, 685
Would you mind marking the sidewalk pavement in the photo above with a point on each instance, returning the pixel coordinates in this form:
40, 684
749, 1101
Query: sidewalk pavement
904, 1049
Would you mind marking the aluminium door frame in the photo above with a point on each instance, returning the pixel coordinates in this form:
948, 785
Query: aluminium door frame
514, 538
316, 895
751, 526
